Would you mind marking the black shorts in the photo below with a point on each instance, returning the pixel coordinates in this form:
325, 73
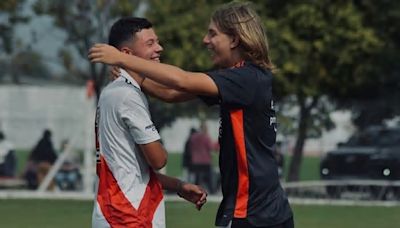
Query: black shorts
244, 223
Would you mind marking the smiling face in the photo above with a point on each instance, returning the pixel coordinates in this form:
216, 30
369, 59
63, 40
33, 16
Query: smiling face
220, 45
146, 45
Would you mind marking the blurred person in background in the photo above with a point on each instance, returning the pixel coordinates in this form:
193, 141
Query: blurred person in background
187, 157
8, 161
201, 147
40, 161
68, 176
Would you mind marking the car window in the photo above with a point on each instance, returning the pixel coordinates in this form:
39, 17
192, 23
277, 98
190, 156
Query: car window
375, 137
367, 138
389, 137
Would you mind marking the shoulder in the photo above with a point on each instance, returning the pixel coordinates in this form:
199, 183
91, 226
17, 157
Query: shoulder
248, 69
121, 89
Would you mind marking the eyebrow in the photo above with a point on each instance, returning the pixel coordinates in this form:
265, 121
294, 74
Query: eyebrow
211, 30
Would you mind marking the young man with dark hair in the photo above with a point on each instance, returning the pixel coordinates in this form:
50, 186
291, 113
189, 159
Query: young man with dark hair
129, 190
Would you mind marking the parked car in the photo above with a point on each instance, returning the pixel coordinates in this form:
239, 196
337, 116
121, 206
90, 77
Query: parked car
373, 154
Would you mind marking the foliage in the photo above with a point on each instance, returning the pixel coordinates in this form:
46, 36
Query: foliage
15, 60
85, 22
379, 97
181, 28
29, 63
10, 12
318, 49
329, 56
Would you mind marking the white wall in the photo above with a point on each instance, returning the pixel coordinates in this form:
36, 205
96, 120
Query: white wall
25, 111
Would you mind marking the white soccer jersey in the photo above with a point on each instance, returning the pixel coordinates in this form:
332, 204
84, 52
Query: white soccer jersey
128, 192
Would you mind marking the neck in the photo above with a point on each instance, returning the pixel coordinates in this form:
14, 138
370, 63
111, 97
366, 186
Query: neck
235, 58
135, 76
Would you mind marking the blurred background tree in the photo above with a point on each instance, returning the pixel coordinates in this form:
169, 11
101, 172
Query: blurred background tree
10, 13
181, 26
85, 22
379, 99
16, 59
320, 51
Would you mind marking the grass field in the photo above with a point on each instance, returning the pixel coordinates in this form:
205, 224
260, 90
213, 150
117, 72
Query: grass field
63, 213
76, 214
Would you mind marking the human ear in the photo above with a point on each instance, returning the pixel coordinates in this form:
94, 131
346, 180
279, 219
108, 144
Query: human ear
235, 41
126, 50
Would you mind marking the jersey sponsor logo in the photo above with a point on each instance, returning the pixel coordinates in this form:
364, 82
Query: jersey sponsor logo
127, 81
150, 127
272, 119
272, 122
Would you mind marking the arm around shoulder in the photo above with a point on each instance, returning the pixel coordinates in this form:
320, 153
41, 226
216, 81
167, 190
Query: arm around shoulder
164, 93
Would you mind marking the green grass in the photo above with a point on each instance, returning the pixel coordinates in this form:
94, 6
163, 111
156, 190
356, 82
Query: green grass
22, 158
45, 213
66, 214
309, 169
63, 213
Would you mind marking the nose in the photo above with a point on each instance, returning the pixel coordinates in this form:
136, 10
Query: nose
159, 48
206, 40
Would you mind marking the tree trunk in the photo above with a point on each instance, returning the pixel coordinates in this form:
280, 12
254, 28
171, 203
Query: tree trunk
305, 113
294, 169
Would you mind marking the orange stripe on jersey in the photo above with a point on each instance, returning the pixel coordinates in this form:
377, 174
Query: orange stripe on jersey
148, 205
242, 195
117, 209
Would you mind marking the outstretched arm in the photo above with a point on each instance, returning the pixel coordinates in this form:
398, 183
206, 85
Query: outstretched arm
190, 192
153, 88
162, 92
168, 75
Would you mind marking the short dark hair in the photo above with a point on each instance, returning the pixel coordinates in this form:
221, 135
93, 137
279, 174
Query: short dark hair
125, 28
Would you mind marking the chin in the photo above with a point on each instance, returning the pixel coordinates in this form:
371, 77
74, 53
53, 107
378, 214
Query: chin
219, 65
216, 63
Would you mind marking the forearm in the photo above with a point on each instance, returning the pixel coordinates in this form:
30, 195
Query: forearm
168, 75
164, 93
187, 191
170, 183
